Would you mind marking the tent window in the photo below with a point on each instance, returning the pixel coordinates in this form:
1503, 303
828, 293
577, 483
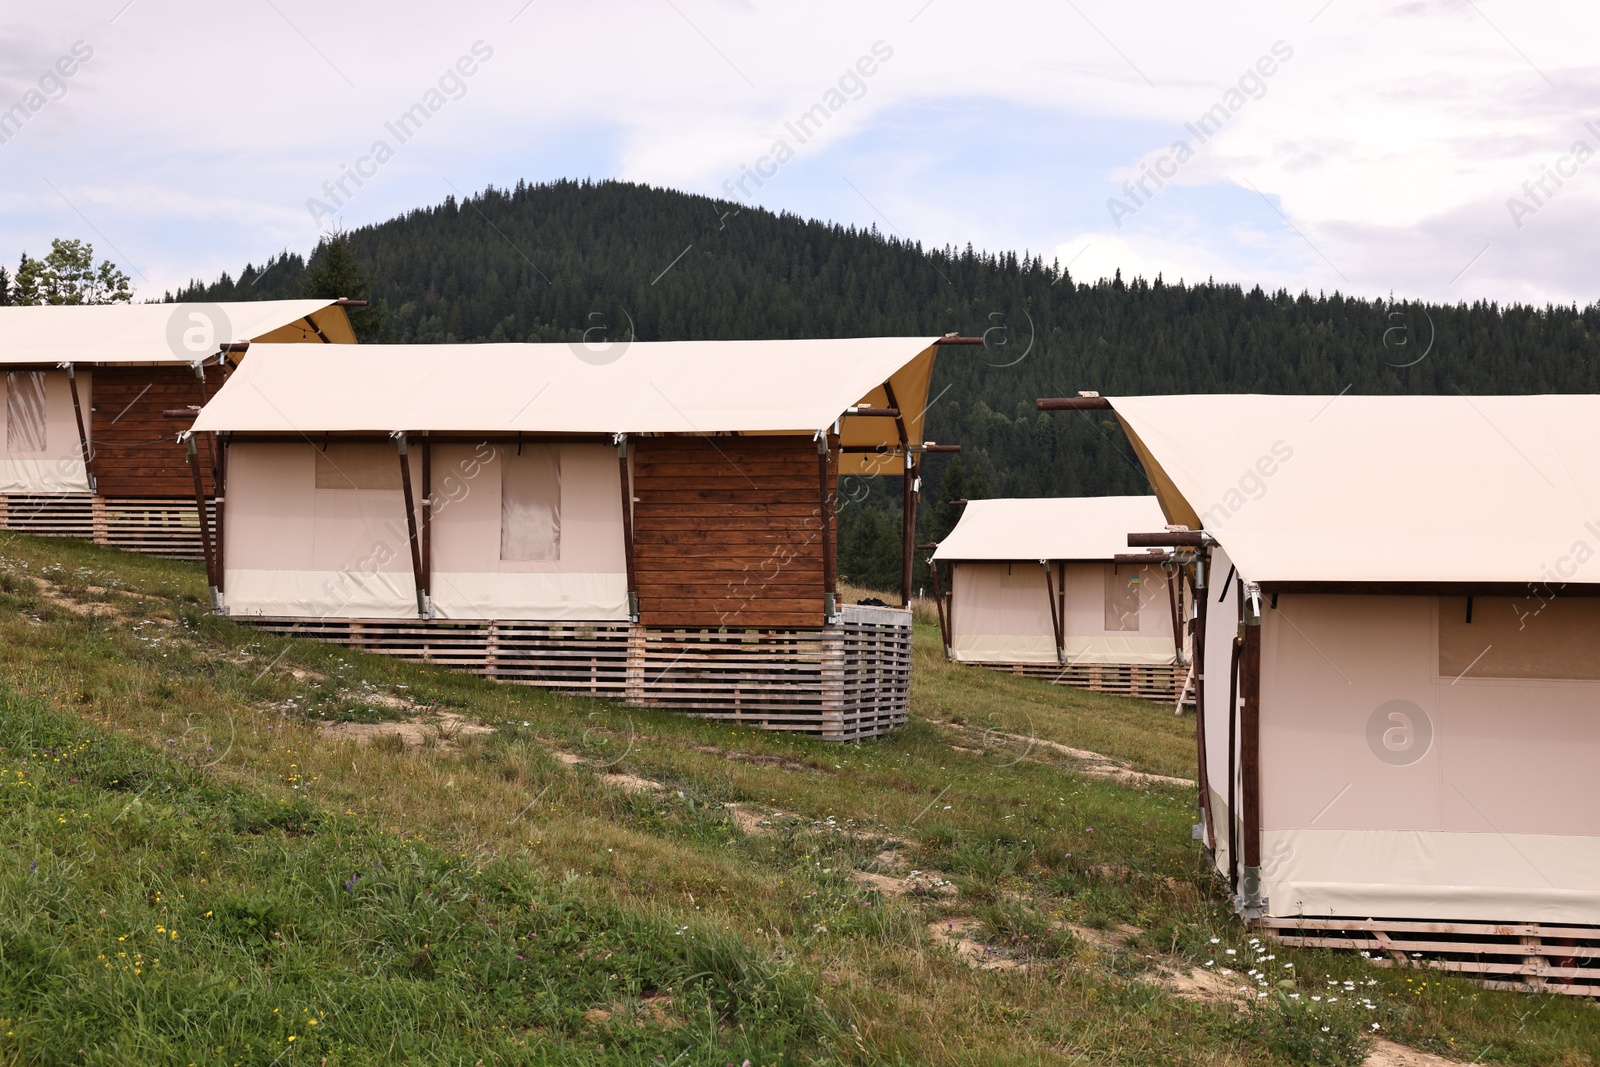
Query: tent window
1022, 576
1519, 637
530, 504
358, 465
25, 425
1123, 586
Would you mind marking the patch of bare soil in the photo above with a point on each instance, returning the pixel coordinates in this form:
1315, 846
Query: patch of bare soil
1388, 1054
1093, 764
755, 760
442, 730
628, 783
649, 1011
51, 594
956, 934
631, 783
924, 884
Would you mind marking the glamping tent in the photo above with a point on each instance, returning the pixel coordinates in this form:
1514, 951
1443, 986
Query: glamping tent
1399, 664
1035, 588
96, 395
651, 521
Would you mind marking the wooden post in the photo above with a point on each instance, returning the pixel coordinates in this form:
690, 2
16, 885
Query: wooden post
625, 474
939, 603
411, 528
908, 528
83, 437
830, 598
1200, 590
205, 523
1250, 758
1177, 615
1055, 613
1233, 767
427, 514
219, 451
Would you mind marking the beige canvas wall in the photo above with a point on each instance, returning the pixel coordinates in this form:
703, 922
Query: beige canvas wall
1392, 789
59, 467
1001, 614
1222, 624
294, 549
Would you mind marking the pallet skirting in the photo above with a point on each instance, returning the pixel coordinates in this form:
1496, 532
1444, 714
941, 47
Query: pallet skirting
1147, 682
1529, 957
167, 528
843, 682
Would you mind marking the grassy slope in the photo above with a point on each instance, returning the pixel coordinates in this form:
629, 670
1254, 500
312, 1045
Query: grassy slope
164, 771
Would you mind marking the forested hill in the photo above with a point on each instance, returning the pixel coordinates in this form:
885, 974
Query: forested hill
545, 262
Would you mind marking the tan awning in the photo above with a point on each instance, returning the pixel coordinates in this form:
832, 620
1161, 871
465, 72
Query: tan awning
161, 333
699, 387
1060, 528
1452, 489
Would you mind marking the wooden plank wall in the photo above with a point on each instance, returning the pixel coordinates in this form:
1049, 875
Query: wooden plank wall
136, 453
727, 532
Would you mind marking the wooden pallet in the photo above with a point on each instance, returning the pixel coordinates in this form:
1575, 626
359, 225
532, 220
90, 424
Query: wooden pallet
1529, 957
1159, 683
168, 528
843, 682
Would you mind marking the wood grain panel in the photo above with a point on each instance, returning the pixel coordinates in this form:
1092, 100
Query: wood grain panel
136, 450
727, 532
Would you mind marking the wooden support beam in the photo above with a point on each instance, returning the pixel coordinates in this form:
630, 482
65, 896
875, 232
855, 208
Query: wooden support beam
939, 606
1142, 557
411, 527
867, 411
1167, 539
830, 592
1250, 742
1175, 601
956, 339
83, 438
205, 519
1202, 775
908, 528
1074, 403
317, 330
625, 475
1233, 767
427, 514
1055, 611
219, 499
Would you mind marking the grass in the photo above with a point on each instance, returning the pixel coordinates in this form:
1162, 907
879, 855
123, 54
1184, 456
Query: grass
194, 871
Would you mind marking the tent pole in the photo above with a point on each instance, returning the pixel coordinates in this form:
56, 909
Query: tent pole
427, 514
83, 438
205, 523
908, 527
219, 499
1250, 903
625, 477
939, 605
1198, 584
423, 610
1055, 615
1177, 621
1233, 768
830, 597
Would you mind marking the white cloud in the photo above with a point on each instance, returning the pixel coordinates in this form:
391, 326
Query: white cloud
1390, 140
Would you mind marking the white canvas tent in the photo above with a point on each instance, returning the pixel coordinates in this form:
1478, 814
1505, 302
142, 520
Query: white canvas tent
92, 393
540, 501
1036, 582
1412, 696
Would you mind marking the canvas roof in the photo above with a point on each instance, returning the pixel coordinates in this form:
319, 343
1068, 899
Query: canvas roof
1056, 528
159, 333
643, 387
1428, 489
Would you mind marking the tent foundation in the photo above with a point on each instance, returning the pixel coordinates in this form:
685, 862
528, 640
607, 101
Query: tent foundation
1528, 957
841, 682
1160, 683
156, 527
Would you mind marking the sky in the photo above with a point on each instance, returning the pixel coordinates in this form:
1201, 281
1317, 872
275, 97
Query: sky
1445, 149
